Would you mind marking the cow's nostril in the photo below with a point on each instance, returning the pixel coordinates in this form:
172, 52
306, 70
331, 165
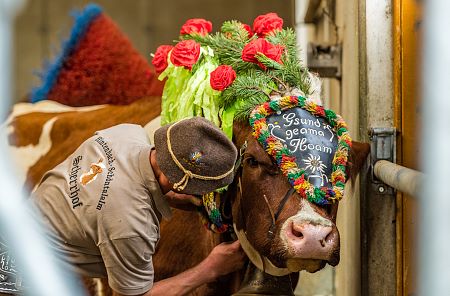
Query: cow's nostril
296, 233
322, 243
331, 237
296, 230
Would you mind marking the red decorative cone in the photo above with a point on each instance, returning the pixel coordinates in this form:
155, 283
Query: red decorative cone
98, 65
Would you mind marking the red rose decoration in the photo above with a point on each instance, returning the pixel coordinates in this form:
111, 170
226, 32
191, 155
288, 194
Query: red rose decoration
222, 77
266, 23
248, 29
160, 58
185, 53
196, 26
263, 46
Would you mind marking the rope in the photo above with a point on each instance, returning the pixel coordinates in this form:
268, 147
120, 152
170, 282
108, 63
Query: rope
270, 209
187, 173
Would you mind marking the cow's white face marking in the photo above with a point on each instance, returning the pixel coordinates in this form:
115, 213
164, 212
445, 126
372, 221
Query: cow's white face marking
26, 156
305, 215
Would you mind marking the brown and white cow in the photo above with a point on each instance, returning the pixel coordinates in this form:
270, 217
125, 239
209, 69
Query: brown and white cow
305, 236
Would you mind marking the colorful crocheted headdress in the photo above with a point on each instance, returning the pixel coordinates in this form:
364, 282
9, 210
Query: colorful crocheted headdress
256, 74
97, 65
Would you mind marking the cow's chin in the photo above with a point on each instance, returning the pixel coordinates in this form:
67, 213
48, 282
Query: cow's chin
311, 265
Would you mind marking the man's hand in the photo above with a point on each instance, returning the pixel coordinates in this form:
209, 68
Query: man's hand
226, 258
183, 201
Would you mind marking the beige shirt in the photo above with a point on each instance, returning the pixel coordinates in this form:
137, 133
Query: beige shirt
102, 207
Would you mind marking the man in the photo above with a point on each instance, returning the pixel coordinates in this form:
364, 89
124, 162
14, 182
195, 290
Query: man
103, 204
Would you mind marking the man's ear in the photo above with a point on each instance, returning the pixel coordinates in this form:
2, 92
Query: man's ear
357, 157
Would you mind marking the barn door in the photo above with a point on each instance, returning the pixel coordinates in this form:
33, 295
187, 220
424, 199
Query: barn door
407, 32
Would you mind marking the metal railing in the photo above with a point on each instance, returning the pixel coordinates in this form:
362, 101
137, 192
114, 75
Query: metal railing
399, 177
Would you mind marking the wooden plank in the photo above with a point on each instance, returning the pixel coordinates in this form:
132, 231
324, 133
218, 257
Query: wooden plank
378, 225
311, 11
28, 49
397, 17
411, 117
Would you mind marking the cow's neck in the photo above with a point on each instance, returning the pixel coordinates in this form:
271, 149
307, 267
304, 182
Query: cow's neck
260, 261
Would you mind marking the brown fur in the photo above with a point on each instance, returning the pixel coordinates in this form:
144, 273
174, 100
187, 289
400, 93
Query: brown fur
32, 125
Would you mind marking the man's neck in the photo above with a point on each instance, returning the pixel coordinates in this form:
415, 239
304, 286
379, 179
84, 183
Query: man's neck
159, 175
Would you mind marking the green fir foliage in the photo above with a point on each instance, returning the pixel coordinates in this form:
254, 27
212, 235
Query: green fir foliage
253, 85
234, 30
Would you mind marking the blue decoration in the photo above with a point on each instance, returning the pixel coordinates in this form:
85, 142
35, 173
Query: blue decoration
82, 20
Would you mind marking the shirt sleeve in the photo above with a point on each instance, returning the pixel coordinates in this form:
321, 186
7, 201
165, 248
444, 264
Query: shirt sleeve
129, 264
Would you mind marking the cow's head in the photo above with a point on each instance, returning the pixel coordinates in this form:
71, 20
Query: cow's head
304, 235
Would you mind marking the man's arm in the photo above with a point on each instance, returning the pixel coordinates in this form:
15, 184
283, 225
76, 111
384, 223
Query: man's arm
224, 258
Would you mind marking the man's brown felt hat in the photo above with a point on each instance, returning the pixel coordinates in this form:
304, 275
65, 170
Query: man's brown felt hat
203, 151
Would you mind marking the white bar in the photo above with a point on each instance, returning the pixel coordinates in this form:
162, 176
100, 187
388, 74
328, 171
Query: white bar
40, 276
400, 178
434, 241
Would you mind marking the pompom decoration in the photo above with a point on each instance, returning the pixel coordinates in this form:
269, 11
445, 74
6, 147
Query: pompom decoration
159, 60
185, 53
262, 46
211, 216
222, 77
266, 24
97, 65
196, 26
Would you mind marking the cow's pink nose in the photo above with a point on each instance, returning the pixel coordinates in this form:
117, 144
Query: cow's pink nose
311, 241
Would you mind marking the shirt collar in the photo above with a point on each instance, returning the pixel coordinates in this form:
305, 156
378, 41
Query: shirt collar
152, 184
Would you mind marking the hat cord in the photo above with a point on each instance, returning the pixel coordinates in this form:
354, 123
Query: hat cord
187, 173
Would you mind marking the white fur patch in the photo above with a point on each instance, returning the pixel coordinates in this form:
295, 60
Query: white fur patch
27, 156
46, 106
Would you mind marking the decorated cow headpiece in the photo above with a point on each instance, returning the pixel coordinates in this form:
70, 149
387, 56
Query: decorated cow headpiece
256, 74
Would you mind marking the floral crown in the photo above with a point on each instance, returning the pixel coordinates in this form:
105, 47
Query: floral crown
252, 73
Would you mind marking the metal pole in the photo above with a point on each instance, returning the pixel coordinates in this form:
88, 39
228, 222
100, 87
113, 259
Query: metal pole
434, 240
41, 276
400, 178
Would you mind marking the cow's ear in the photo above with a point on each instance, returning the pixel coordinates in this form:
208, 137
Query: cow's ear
241, 129
357, 157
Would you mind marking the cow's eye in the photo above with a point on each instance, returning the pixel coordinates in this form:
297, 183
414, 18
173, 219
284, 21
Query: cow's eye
251, 161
